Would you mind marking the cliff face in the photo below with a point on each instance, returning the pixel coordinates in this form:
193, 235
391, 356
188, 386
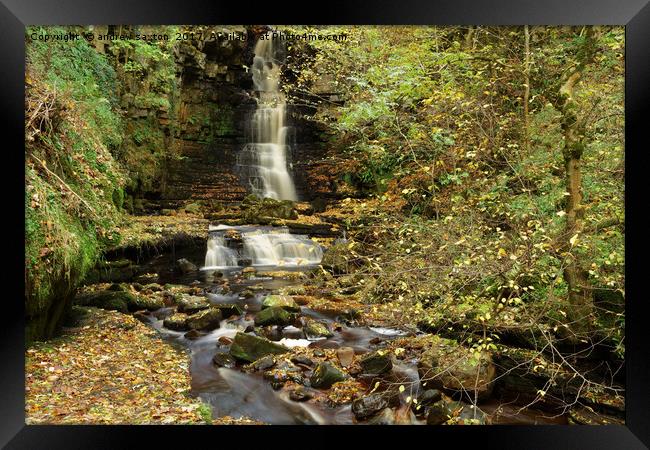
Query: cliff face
209, 125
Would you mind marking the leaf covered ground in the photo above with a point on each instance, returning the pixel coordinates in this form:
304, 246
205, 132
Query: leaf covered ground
111, 369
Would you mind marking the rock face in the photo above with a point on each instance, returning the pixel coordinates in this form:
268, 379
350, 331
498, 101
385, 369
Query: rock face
447, 365
249, 348
325, 375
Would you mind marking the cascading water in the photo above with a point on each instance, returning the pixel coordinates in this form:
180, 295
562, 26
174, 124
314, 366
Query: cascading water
281, 248
218, 254
265, 158
228, 247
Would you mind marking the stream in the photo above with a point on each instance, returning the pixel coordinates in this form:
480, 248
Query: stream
237, 393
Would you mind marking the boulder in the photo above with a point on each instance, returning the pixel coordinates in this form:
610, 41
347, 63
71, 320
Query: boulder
191, 304
299, 394
281, 301
325, 375
228, 309
438, 413
345, 355
314, 329
274, 316
446, 365
376, 363
185, 266
368, 406
385, 417
140, 302
206, 320
224, 360
176, 322
247, 347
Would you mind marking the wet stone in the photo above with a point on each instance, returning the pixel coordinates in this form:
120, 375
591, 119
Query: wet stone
299, 394
376, 363
224, 360
367, 406
325, 375
345, 355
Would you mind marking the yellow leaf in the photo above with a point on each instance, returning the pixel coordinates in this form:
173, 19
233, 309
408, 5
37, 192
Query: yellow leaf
573, 239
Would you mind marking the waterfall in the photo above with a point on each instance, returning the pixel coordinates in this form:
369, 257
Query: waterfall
218, 255
281, 248
265, 158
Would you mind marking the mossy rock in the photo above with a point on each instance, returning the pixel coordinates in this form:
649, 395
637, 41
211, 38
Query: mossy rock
281, 301
176, 322
325, 375
376, 363
111, 300
205, 320
274, 315
446, 365
191, 304
228, 309
314, 329
246, 347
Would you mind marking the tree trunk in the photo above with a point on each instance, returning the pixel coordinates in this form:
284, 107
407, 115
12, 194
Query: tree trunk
580, 297
527, 89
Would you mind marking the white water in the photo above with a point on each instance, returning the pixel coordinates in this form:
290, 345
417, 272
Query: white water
218, 255
281, 249
266, 155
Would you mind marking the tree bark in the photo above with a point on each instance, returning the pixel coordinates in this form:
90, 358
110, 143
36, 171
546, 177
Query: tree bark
580, 296
527, 89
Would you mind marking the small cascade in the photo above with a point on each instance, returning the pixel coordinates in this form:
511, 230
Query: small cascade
264, 160
218, 254
232, 247
281, 248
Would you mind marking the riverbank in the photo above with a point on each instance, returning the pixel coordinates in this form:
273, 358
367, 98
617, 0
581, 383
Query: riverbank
109, 369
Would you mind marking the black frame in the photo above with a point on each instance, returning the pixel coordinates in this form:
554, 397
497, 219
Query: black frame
634, 14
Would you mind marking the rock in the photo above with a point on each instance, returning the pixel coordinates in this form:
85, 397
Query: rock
193, 208
191, 304
345, 355
256, 210
207, 320
299, 394
368, 406
247, 293
376, 363
249, 348
228, 309
224, 360
176, 322
224, 340
193, 334
447, 365
185, 266
429, 396
249, 270
142, 317
314, 329
270, 332
438, 413
110, 300
302, 359
154, 287
280, 301
117, 287
325, 375
140, 302
264, 363
385, 417
274, 316
470, 415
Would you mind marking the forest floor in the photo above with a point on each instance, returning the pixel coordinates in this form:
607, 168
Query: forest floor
109, 369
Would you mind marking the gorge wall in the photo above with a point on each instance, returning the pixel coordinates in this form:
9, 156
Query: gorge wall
207, 125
